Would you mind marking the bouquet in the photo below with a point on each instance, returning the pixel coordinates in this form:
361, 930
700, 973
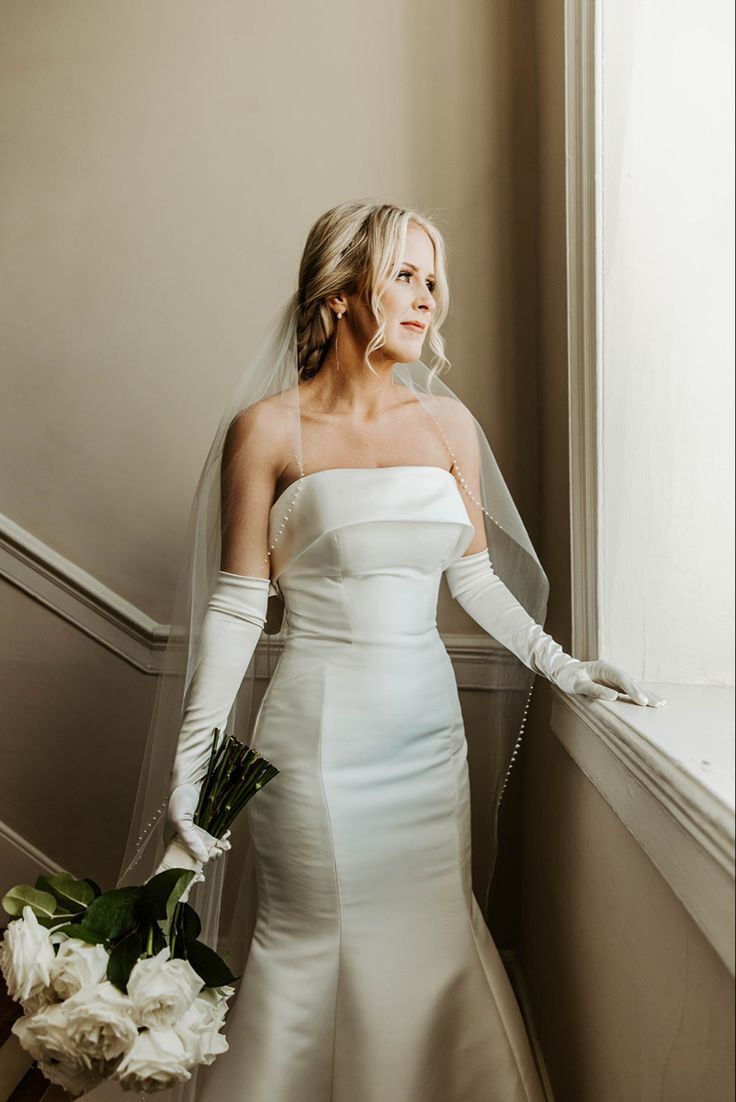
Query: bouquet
117, 984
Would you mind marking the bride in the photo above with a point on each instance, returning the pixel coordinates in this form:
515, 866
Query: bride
345, 486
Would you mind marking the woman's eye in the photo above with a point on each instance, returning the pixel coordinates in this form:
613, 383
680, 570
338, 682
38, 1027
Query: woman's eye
430, 284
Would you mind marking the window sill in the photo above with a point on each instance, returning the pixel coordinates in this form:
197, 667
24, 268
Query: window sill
668, 773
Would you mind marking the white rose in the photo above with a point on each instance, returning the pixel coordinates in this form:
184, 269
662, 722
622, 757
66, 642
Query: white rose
213, 1003
199, 1029
45, 1035
78, 964
162, 989
42, 998
218, 996
77, 1081
26, 955
156, 1060
100, 1022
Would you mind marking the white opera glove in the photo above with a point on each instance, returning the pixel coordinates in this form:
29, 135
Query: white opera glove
231, 628
477, 588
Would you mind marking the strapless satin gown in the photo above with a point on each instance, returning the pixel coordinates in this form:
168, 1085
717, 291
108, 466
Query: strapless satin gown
371, 976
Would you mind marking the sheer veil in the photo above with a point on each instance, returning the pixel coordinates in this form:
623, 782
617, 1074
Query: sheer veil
226, 899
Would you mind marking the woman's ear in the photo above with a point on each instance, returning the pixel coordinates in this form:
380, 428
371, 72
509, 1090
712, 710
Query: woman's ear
337, 304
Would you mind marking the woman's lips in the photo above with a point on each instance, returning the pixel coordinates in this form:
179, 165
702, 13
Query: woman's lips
413, 325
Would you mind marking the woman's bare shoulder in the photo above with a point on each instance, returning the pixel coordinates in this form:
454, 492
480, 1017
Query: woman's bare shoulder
454, 411
261, 426
257, 438
461, 430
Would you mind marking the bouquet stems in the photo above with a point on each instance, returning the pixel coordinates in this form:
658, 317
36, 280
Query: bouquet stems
235, 773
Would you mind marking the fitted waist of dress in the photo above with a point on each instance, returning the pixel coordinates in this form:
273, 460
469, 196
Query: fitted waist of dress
314, 641
387, 609
389, 656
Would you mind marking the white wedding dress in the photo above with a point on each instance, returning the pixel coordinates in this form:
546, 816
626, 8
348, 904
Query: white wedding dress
371, 975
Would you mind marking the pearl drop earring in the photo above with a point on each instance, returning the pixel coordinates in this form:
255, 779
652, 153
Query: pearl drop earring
337, 331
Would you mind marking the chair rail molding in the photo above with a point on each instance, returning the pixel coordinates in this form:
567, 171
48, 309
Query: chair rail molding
82, 600
79, 598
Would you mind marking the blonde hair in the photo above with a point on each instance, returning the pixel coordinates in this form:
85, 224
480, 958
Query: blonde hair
357, 247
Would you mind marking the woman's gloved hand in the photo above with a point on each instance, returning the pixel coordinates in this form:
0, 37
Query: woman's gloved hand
194, 840
231, 628
477, 588
190, 838
603, 681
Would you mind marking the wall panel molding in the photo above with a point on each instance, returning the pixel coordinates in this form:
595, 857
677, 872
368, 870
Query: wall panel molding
584, 353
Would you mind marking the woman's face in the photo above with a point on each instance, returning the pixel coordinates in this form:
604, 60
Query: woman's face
407, 302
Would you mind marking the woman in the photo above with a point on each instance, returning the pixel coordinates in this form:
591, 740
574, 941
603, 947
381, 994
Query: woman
370, 975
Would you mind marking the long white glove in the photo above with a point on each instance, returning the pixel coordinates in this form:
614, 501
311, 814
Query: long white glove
477, 588
231, 628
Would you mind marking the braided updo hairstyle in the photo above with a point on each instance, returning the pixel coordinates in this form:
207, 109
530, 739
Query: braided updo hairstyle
357, 247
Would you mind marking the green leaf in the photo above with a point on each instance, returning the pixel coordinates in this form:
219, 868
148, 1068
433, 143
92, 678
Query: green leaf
113, 913
159, 939
156, 893
207, 964
160, 897
43, 904
189, 922
122, 958
62, 914
73, 894
185, 877
84, 933
96, 889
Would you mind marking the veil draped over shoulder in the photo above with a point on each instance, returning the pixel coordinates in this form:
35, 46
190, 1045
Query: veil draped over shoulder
226, 899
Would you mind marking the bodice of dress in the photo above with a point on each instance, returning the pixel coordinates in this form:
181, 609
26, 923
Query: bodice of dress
359, 552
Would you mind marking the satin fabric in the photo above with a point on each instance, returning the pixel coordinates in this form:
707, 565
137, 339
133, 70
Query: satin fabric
371, 975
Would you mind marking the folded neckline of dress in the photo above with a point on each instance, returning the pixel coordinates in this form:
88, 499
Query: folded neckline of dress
363, 470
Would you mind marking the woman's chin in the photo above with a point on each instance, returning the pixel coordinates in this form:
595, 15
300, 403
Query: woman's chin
408, 352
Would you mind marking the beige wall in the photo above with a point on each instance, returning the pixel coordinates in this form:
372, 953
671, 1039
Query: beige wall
75, 720
165, 163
